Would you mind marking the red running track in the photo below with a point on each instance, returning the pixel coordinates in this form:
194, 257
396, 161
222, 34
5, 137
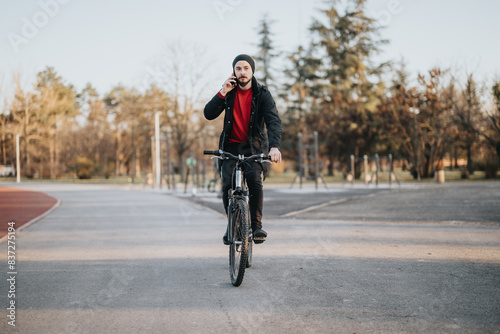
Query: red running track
21, 206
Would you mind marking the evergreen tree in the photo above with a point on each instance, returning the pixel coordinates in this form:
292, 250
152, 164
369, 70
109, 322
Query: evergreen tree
300, 94
266, 53
350, 81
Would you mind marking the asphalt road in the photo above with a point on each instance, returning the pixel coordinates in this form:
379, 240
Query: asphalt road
406, 260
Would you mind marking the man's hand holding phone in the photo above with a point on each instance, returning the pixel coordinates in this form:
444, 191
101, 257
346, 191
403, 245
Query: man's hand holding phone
229, 85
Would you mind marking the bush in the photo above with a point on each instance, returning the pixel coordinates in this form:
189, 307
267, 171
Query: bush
84, 168
491, 169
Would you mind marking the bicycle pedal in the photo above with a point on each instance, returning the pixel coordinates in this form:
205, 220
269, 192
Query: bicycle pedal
259, 240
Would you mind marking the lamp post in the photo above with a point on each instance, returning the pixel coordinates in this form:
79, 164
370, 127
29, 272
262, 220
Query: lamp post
157, 150
18, 161
417, 144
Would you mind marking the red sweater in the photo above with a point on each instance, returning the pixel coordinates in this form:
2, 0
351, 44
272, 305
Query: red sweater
241, 115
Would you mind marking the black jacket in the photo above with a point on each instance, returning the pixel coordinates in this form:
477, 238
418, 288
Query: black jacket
263, 112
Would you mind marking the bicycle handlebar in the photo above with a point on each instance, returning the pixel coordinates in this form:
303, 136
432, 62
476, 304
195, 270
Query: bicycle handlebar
220, 153
217, 152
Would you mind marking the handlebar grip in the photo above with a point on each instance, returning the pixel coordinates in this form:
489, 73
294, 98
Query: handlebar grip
211, 152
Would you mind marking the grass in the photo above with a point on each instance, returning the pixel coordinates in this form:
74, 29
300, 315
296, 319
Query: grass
285, 177
94, 180
402, 176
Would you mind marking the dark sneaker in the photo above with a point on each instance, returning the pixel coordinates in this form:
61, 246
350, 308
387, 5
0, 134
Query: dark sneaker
259, 236
225, 239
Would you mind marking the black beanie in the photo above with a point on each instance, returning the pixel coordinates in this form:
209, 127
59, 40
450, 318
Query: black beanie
245, 58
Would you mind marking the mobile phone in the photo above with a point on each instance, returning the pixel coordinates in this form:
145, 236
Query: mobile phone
236, 80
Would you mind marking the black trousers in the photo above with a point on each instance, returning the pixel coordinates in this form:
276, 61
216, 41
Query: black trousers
253, 176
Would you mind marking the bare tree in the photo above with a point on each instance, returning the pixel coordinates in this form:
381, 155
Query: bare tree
467, 117
23, 122
56, 109
435, 126
132, 129
5, 120
183, 74
492, 132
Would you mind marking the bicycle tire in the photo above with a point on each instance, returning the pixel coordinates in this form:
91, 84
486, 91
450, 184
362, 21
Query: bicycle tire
238, 249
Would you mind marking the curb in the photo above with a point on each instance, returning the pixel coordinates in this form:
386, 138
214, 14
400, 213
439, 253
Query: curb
34, 220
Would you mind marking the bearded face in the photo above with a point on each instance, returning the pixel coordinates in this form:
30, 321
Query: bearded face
243, 73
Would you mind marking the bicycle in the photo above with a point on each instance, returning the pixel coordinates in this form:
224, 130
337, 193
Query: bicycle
239, 234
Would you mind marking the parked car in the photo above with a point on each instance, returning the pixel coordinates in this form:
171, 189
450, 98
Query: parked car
7, 170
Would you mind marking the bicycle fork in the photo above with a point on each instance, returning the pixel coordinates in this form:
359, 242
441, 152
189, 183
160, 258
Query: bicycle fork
237, 189
238, 194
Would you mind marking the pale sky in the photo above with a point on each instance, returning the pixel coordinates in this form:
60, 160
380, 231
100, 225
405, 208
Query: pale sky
106, 42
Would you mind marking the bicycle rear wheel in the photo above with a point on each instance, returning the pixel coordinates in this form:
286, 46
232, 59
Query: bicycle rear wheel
238, 249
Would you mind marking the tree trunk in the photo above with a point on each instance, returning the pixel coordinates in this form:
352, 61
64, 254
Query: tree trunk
180, 155
27, 161
330, 165
117, 153
132, 172
51, 159
4, 153
56, 157
470, 167
101, 163
455, 156
498, 152
138, 162
40, 166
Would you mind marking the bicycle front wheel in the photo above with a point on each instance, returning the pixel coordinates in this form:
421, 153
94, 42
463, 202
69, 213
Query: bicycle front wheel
238, 249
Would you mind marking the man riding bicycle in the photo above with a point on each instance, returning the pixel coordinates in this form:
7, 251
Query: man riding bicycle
248, 107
